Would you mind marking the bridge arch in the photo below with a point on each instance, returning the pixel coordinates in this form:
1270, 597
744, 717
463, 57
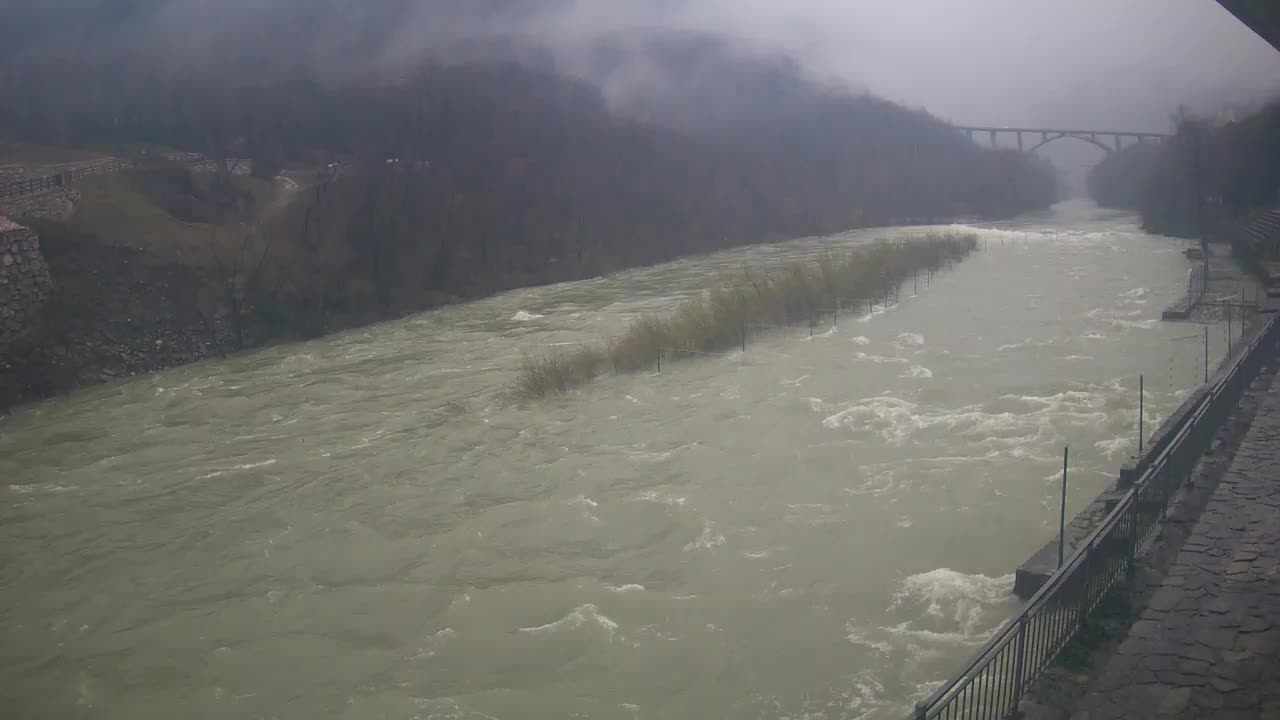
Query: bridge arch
1085, 138
1108, 140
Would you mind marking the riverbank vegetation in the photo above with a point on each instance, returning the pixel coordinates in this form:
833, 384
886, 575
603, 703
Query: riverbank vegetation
800, 292
1233, 163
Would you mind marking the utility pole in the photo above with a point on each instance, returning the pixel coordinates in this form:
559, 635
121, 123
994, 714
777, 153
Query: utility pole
1062, 518
1197, 188
1228, 328
1206, 354
1141, 400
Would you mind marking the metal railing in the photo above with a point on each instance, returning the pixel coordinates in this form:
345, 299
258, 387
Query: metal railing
1000, 673
54, 181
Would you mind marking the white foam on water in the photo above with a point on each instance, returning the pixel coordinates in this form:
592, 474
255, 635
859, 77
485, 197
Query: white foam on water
910, 340
433, 643
864, 699
918, 372
881, 483
858, 636
708, 539
237, 468
951, 607
1084, 358
1023, 453
630, 587
584, 501
1137, 324
876, 311
933, 636
892, 418
42, 488
1066, 400
1135, 293
882, 360
816, 405
523, 316
860, 340
1113, 447
895, 420
649, 457
944, 586
582, 616
661, 498
1094, 336
796, 381
1026, 343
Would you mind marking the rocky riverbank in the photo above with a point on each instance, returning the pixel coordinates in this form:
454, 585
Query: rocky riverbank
110, 312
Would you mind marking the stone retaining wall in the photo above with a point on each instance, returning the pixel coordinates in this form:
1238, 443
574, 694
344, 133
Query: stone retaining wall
48, 206
25, 285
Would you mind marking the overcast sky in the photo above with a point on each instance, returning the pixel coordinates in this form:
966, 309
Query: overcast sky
1122, 63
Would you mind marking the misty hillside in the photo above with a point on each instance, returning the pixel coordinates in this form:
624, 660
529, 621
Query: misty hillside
294, 76
1238, 173
521, 161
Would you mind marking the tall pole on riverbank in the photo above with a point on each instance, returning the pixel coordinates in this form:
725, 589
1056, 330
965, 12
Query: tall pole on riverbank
1062, 519
1206, 353
1192, 129
1141, 397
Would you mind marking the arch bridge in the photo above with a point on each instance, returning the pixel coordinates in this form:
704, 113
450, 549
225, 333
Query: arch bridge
1032, 139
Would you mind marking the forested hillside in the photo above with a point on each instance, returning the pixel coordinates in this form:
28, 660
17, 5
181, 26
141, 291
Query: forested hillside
446, 154
1238, 173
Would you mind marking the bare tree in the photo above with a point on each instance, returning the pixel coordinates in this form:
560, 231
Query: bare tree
242, 266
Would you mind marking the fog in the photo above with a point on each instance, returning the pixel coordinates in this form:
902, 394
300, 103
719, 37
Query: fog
1015, 62
1091, 63
1095, 63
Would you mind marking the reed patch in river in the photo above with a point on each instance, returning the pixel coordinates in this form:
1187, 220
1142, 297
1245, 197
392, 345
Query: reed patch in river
798, 293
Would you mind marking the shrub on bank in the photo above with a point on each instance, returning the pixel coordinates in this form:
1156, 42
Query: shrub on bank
798, 292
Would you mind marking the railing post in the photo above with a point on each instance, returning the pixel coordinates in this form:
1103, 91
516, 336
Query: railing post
1019, 662
1085, 582
1131, 567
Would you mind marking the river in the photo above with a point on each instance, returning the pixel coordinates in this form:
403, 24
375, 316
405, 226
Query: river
367, 526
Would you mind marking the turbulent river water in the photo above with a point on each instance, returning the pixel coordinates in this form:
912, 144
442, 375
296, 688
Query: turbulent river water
367, 526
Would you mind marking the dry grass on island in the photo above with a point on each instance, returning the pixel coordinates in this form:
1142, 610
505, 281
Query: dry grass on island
796, 294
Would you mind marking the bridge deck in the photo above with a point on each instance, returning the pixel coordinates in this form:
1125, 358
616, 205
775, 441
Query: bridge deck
1059, 131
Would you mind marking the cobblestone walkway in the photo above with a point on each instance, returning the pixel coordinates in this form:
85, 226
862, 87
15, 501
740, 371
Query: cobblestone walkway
1208, 644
